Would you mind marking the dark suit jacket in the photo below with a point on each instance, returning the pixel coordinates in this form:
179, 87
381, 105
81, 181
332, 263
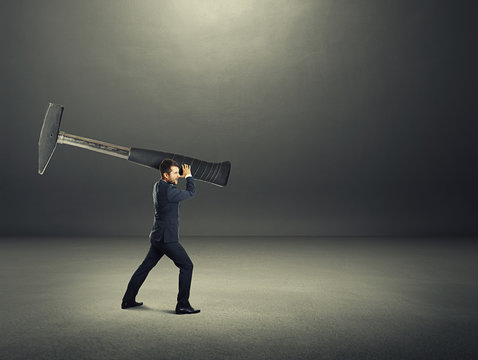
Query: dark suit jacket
166, 198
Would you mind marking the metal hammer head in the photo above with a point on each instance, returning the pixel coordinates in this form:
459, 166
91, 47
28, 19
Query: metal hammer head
49, 135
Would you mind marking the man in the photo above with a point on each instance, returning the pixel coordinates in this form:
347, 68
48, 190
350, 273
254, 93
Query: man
164, 236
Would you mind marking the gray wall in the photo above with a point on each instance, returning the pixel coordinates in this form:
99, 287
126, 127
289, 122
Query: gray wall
474, 117
339, 117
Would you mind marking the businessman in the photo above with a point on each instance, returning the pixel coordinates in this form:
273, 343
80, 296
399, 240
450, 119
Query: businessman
164, 236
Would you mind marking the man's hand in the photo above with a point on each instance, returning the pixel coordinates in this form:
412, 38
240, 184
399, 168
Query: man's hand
186, 170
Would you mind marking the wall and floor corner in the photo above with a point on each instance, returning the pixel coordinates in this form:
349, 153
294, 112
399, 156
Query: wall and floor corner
352, 132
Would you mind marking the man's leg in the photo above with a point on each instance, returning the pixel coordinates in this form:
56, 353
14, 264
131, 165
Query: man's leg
179, 256
140, 274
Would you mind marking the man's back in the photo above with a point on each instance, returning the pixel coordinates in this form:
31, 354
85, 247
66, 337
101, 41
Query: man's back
166, 198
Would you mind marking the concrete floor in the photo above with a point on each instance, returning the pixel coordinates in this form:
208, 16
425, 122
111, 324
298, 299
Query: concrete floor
260, 298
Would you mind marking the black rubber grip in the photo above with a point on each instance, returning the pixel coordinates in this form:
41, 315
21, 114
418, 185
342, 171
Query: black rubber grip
214, 173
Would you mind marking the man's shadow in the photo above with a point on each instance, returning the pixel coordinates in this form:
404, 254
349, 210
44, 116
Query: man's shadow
147, 308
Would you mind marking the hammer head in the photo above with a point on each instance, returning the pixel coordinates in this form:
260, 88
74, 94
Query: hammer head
49, 135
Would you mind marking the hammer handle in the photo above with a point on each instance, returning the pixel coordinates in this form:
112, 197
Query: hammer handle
213, 173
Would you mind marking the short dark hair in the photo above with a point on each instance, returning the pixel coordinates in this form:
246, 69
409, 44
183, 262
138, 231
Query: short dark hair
165, 166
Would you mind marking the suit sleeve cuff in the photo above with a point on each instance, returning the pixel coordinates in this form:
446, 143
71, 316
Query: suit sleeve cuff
188, 175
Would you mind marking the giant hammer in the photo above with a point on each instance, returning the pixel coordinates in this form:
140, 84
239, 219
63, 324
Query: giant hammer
50, 135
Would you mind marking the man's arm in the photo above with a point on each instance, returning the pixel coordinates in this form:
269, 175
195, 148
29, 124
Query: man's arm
175, 195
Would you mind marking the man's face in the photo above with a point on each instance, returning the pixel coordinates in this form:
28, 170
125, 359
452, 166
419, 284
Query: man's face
173, 176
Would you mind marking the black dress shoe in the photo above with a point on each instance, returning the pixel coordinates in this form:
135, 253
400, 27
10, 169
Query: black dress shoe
186, 310
130, 304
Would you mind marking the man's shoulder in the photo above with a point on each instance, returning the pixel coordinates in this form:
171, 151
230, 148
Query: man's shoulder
161, 182
160, 186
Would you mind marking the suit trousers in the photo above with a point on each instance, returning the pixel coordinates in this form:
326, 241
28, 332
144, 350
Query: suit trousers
178, 255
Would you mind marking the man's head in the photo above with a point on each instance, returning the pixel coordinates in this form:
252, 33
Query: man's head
169, 171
